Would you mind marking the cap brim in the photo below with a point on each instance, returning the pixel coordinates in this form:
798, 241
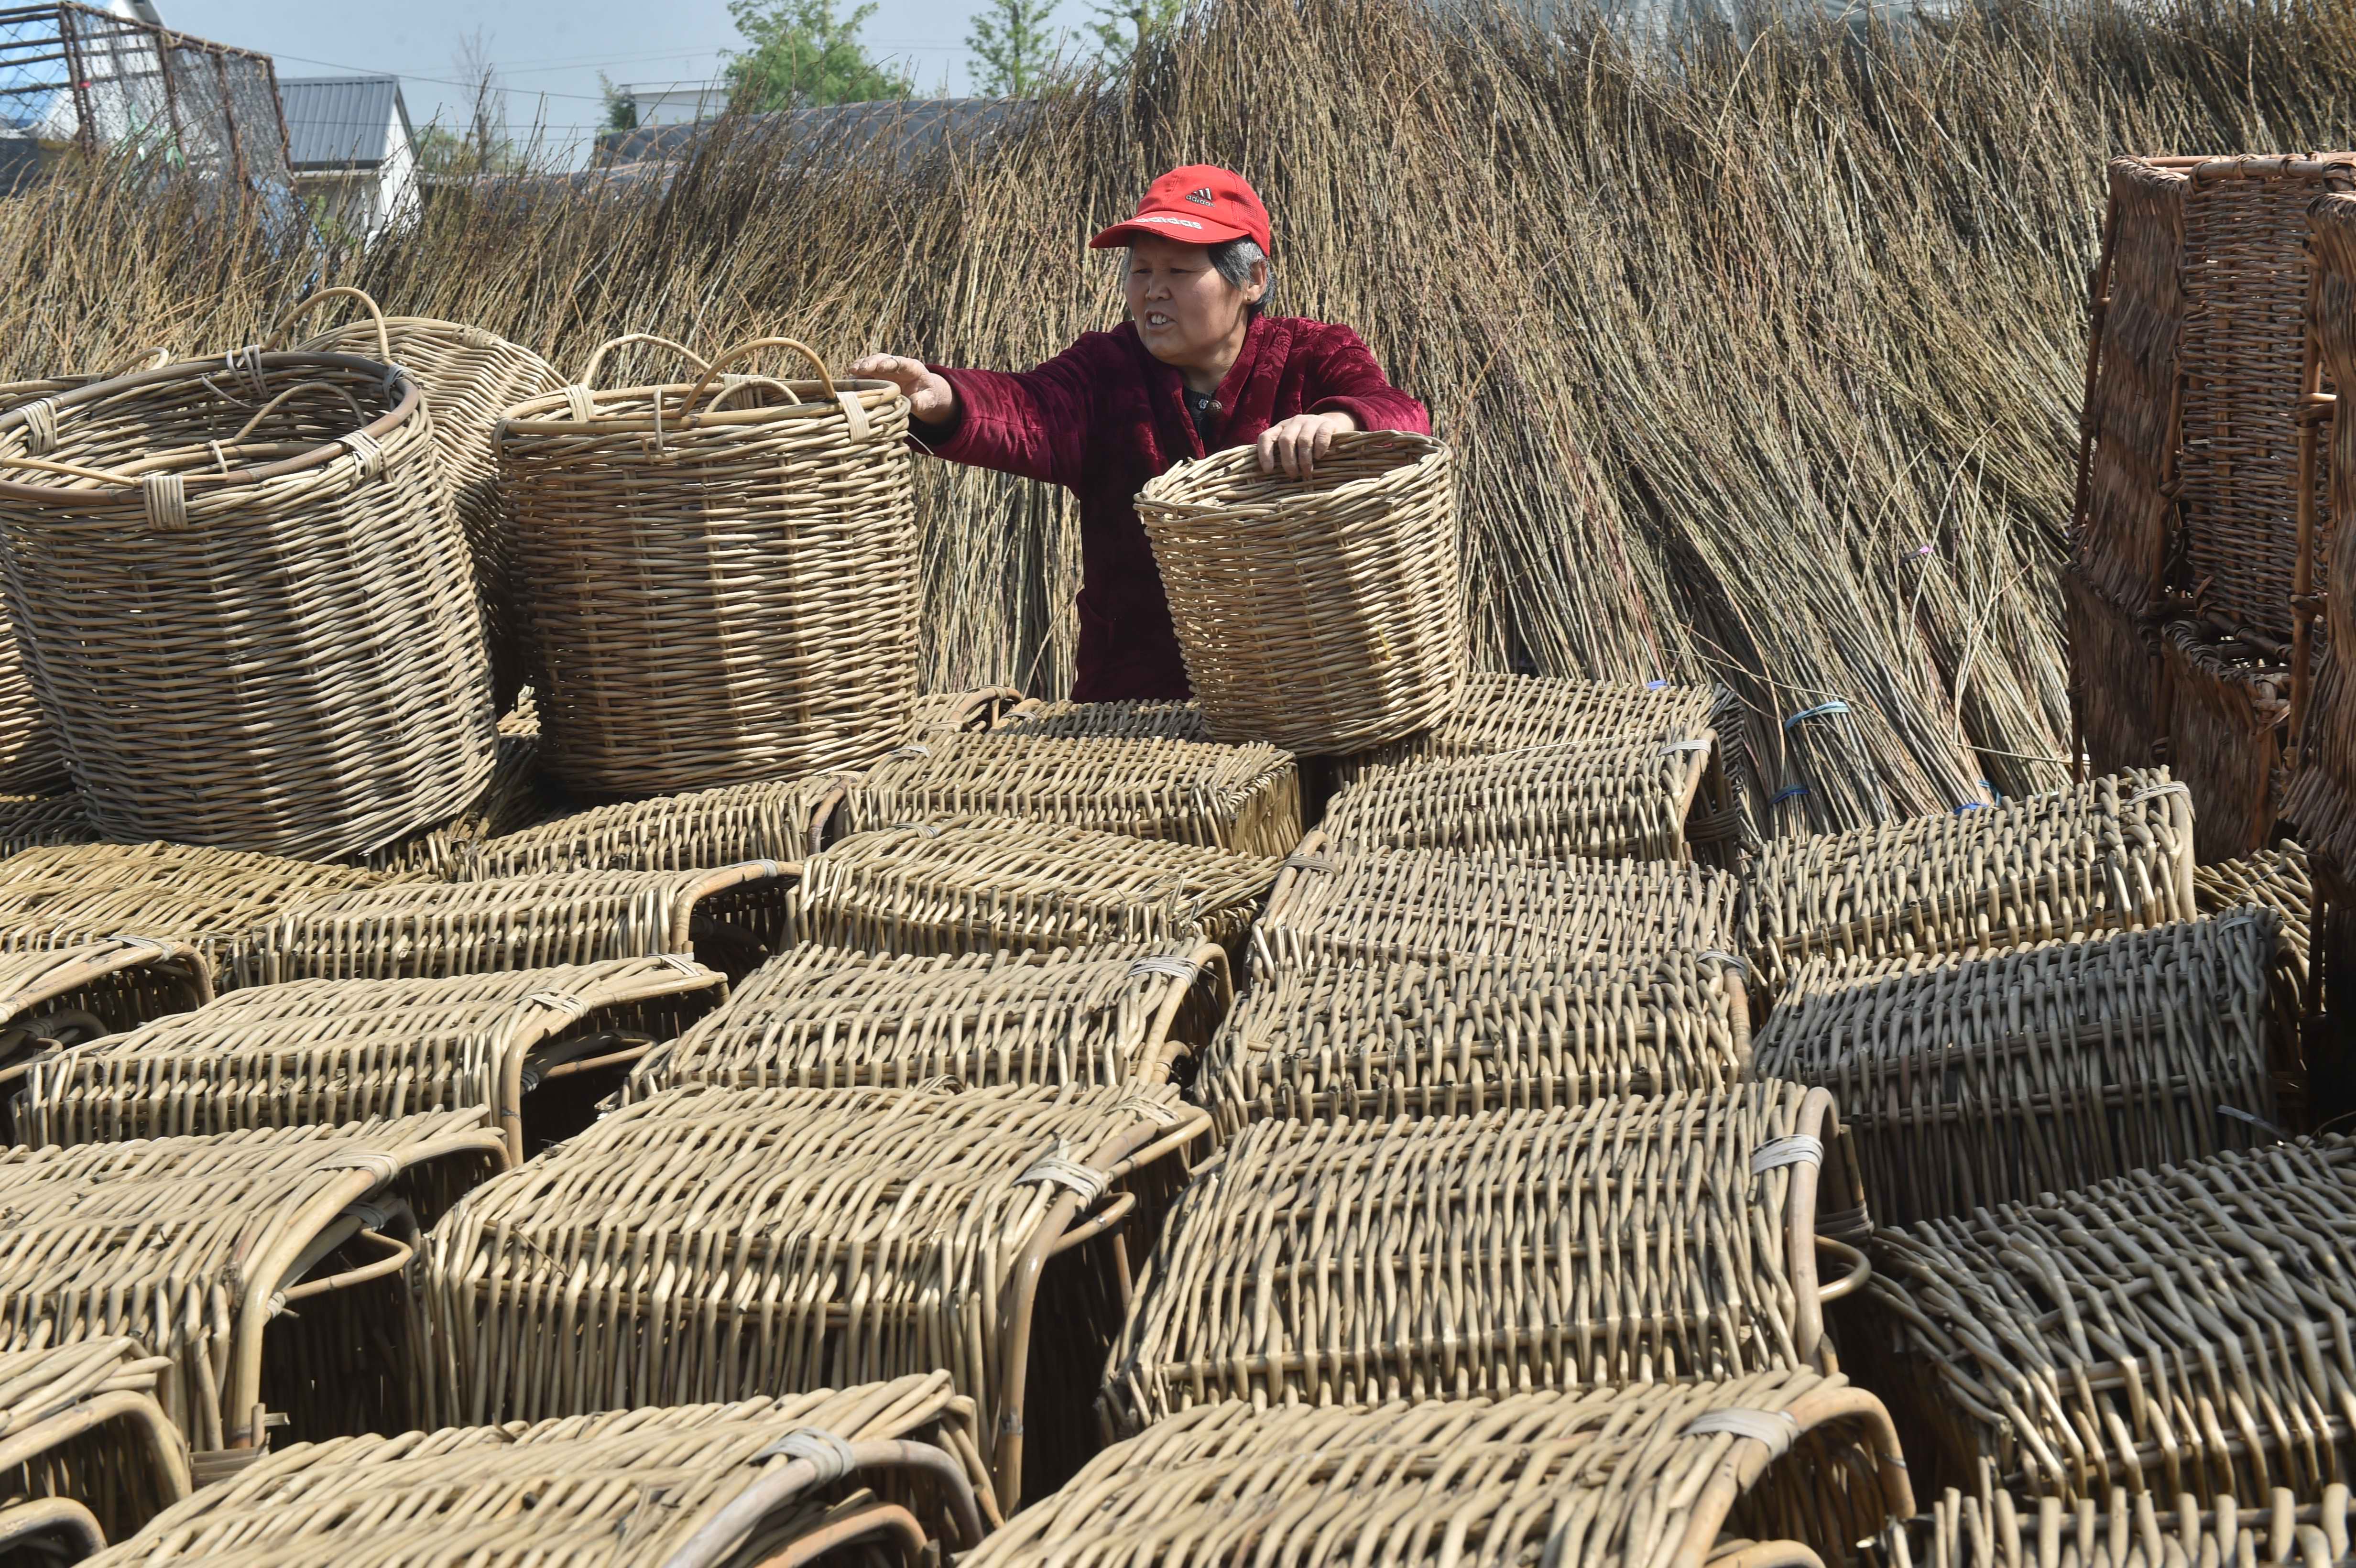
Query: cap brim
1185, 231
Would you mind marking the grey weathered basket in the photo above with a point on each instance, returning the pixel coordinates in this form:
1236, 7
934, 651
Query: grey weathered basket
1134, 719
1497, 713
28, 821
510, 800
72, 996
92, 1457
2126, 1529
961, 712
703, 828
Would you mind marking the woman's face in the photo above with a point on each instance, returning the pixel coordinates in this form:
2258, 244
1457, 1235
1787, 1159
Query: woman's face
1183, 310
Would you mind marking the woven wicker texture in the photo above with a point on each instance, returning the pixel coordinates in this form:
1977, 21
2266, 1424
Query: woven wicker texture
974, 886
2181, 1330
30, 762
711, 1242
1134, 720
2113, 852
729, 918
2273, 879
576, 1493
1625, 798
722, 827
306, 674
328, 1052
1623, 1241
957, 712
1618, 1479
470, 378
1320, 615
193, 1246
72, 996
2320, 801
2326, 782
88, 1451
67, 896
1244, 798
510, 801
2127, 1530
28, 821
1495, 713
2227, 711
2118, 686
1433, 907
720, 589
1968, 1083
1340, 1043
822, 1018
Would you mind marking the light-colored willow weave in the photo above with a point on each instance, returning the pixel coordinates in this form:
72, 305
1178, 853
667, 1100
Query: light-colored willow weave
70, 995
711, 1242
349, 1050
1244, 798
969, 886
2182, 1329
820, 1017
1134, 719
1498, 714
1604, 1478
2276, 878
1993, 1528
28, 821
1341, 1042
1431, 906
1620, 798
620, 1489
193, 1246
1972, 1081
2113, 852
731, 918
97, 1455
1621, 1241
957, 712
510, 801
775, 821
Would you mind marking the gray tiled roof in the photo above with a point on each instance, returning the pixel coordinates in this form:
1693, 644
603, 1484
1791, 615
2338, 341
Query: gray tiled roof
339, 121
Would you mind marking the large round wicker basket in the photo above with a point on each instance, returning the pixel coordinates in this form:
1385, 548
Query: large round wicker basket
719, 579
1321, 615
248, 614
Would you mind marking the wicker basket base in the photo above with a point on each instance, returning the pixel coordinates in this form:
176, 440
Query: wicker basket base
2226, 717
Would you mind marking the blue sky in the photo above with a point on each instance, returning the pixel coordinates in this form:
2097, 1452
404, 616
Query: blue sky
550, 47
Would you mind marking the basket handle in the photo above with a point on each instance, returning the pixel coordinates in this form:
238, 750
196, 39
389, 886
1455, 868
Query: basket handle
753, 345
589, 371
277, 336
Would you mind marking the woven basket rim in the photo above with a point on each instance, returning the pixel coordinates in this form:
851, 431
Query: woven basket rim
522, 418
1158, 494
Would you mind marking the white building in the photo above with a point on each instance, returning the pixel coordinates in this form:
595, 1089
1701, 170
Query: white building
352, 150
674, 103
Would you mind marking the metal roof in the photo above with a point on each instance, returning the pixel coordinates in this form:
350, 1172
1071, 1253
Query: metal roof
904, 132
339, 121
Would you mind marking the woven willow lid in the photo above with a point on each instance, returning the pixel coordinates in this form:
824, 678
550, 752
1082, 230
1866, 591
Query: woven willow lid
698, 829
2125, 1529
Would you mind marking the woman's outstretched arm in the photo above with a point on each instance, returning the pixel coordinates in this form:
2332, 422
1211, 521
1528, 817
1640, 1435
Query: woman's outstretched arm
1031, 422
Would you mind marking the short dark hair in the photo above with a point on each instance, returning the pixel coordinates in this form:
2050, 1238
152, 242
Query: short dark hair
1233, 259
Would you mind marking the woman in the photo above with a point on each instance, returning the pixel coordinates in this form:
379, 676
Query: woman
1195, 368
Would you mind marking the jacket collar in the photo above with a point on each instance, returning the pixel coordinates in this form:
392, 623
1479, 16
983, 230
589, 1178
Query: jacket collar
1169, 387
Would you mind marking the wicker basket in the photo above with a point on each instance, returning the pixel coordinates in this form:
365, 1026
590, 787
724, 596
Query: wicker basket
1497, 713
511, 801
72, 996
729, 918
1321, 615
813, 1238
1619, 799
306, 673
540, 1047
1981, 1080
961, 712
470, 378
1994, 1529
1425, 906
1244, 798
1126, 721
2320, 803
2174, 1330
2114, 852
721, 581
1646, 1477
1665, 1240
696, 1486
969, 885
29, 821
92, 1457
2275, 879
2118, 685
710, 827
197, 1246
822, 1018
2228, 716
1345, 1043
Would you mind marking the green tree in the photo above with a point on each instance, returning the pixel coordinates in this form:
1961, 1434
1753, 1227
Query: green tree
1121, 27
1010, 40
802, 53
621, 110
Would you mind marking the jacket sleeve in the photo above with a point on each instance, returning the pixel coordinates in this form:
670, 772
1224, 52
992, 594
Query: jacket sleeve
1347, 380
1031, 422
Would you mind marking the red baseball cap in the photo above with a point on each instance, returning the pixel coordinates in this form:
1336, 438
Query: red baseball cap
1200, 203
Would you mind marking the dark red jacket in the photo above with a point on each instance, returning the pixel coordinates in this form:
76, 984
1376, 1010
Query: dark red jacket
1105, 416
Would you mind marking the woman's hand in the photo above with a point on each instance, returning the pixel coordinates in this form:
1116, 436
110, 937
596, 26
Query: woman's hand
1295, 444
931, 396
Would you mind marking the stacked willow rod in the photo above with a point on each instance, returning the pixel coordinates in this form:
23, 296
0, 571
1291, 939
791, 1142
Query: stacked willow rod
621, 1488
2116, 852
730, 918
1340, 1043
968, 886
1968, 1083
958, 712
1618, 799
67, 896
1134, 719
306, 674
195, 1246
1495, 713
806, 1238
71, 996
774, 821
91, 1456
1623, 1241
2179, 1330
1244, 798
1433, 907
329, 1051
2127, 1530
2226, 717
1642, 1477
721, 588
1322, 615
822, 1018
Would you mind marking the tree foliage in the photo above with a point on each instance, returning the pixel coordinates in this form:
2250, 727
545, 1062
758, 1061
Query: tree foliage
1013, 49
1121, 27
802, 53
